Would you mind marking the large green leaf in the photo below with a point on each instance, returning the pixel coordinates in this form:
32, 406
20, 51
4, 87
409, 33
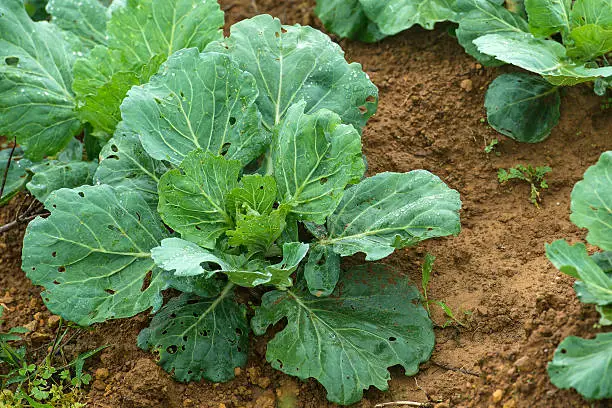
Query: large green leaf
192, 199
589, 42
53, 175
393, 16
315, 157
36, 101
17, 175
547, 17
186, 258
348, 340
198, 101
603, 261
592, 203
346, 18
199, 338
92, 254
575, 261
123, 162
141, 35
84, 18
585, 365
293, 253
392, 210
544, 57
592, 12
291, 63
522, 106
480, 17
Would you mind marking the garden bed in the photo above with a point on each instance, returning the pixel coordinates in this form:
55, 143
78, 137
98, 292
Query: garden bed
515, 305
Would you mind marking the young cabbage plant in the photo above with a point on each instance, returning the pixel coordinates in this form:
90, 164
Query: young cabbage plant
577, 362
239, 167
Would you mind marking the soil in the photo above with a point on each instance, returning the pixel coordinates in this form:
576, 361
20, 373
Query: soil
515, 305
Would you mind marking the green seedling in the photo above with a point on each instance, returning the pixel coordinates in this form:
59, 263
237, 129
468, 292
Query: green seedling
532, 175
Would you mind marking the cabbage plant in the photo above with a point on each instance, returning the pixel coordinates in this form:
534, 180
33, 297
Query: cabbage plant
237, 164
580, 363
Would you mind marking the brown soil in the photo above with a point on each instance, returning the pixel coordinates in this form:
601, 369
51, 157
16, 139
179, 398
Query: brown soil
520, 307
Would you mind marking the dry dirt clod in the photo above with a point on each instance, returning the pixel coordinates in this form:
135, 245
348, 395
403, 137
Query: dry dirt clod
53, 321
99, 385
102, 373
497, 395
467, 85
524, 364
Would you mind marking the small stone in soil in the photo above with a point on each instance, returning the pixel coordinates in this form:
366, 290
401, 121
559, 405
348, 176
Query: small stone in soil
467, 85
497, 395
102, 373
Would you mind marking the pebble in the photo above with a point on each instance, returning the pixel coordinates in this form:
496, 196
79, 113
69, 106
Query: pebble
237, 371
99, 385
467, 85
497, 395
53, 321
102, 373
524, 364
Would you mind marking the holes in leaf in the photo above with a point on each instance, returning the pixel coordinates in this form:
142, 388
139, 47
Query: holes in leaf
563, 351
33, 268
54, 254
198, 227
182, 94
138, 215
239, 349
113, 156
12, 61
164, 332
114, 148
225, 148
238, 331
277, 34
392, 338
280, 363
110, 291
173, 315
189, 372
204, 333
363, 109
371, 99
171, 349
81, 194
56, 282
61, 269
146, 281
232, 121
283, 30
157, 101
185, 338
323, 180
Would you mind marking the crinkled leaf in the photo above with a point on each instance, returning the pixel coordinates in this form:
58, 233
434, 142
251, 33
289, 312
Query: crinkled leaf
547, 17
124, 163
256, 193
141, 35
393, 16
315, 157
84, 18
592, 203
53, 175
199, 338
291, 63
585, 365
188, 259
575, 261
522, 106
192, 199
36, 9
346, 18
92, 254
293, 253
36, 101
347, 341
197, 101
17, 175
72, 152
392, 210
480, 17
257, 232
544, 57
589, 42
592, 12
322, 270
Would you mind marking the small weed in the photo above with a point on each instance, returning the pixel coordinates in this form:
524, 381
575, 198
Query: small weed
491, 147
532, 175
42, 385
425, 278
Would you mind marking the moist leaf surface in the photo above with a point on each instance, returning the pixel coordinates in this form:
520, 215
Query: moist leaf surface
347, 341
92, 254
392, 210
